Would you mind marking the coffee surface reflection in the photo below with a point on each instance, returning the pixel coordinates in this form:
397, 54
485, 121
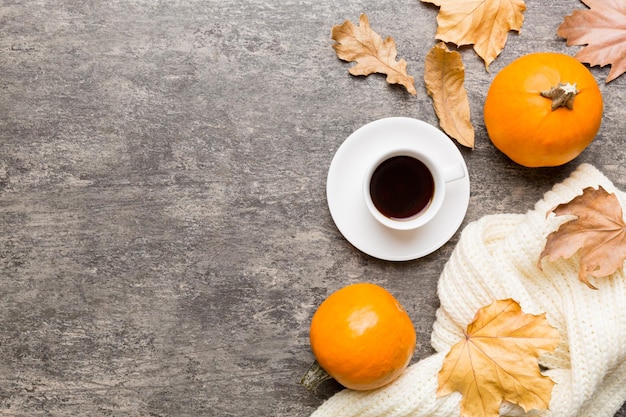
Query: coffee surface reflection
401, 187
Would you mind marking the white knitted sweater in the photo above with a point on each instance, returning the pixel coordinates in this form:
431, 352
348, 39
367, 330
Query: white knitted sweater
496, 258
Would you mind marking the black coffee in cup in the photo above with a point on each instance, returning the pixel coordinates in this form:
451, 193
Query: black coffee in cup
401, 187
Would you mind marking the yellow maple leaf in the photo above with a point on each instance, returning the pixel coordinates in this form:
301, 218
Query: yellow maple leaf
497, 361
372, 54
598, 232
484, 24
444, 74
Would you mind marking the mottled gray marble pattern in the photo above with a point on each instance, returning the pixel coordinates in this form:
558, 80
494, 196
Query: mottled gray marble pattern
164, 232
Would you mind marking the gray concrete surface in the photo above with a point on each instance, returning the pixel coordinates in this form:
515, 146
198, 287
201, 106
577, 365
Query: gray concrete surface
164, 232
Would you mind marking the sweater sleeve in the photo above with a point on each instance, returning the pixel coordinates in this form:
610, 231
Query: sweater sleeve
413, 394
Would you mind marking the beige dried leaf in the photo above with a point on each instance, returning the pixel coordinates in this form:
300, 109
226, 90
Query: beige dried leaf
372, 54
444, 75
598, 232
485, 24
602, 28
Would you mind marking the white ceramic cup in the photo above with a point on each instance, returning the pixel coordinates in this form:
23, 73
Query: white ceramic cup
440, 176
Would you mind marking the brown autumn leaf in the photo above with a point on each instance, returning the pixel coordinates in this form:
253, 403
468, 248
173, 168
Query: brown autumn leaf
602, 28
598, 232
444, 75
372, 54
497, 361
482, 23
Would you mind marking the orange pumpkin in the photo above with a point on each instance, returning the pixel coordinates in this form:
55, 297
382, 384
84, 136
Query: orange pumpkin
543, 109
362, 337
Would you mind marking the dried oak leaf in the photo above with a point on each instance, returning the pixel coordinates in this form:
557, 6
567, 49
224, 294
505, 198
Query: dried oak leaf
602, 28
497, 361
444, 75
598, 232
371, 53
482, 23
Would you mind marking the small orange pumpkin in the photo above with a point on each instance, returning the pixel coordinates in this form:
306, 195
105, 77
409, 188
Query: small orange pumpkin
543, 109
362, 337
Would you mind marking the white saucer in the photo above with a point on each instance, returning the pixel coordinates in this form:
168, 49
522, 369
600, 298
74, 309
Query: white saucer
344, 189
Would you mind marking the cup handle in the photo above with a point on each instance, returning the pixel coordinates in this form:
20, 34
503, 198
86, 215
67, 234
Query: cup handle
453, 172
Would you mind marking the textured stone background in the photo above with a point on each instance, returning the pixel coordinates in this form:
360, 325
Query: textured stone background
164, 233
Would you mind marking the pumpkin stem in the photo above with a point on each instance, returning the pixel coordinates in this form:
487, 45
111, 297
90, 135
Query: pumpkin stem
314, 376
562, 95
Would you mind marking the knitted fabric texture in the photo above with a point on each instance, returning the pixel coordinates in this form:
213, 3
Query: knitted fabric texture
496, 258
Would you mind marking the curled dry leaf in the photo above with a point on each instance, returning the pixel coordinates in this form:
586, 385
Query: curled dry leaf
497, 361
598, 231
444, 75
602, 28
372, 54
482, 23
